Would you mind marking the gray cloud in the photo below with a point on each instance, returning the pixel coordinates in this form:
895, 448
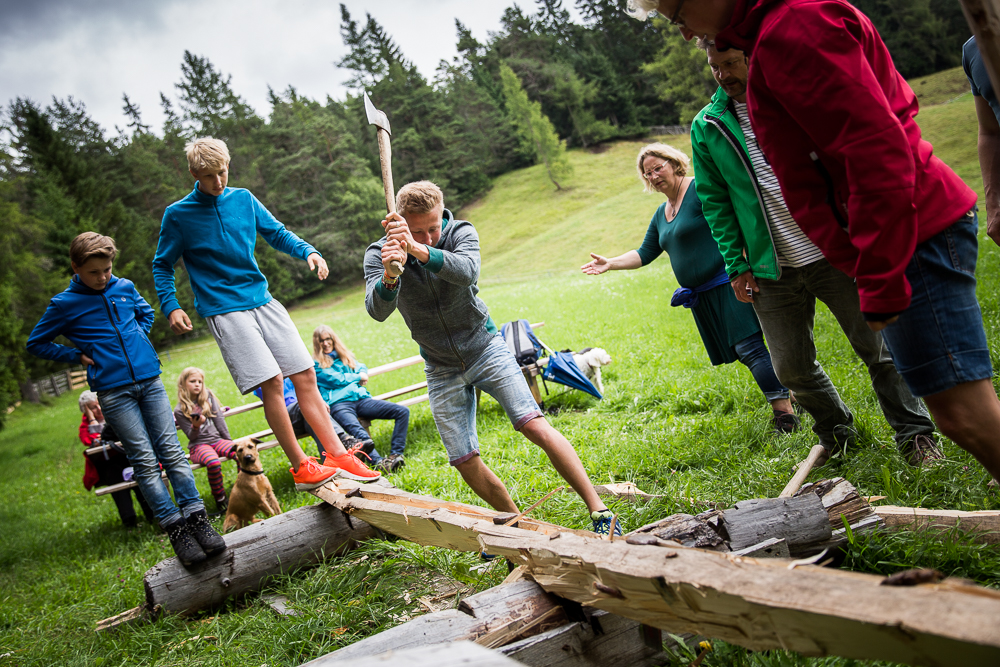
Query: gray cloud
21, 19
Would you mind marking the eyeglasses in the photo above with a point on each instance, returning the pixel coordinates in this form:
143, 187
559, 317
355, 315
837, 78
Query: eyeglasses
677, 12
654, 171
326, 340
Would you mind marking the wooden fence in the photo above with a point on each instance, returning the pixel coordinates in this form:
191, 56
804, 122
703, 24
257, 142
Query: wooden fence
54, 385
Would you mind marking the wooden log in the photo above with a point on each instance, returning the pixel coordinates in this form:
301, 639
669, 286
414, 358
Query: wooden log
455, 654
802, 522
983, 526
501, 613
761, 604
685, 530
277, 545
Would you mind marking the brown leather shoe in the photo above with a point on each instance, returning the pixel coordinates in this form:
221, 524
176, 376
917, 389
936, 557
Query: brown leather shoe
922, 451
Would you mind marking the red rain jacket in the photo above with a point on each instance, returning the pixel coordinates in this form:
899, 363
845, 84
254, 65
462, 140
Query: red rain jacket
836, 121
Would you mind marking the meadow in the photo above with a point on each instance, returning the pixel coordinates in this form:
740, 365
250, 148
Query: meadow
669, 422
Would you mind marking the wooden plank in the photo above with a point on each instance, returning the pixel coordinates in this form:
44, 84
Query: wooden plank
121, 486
983, 526
277, 545
454, 654
395, 365
240, 409
413, 401
399, 392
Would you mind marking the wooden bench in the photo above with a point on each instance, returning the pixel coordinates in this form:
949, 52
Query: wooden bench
372, 372
270, 444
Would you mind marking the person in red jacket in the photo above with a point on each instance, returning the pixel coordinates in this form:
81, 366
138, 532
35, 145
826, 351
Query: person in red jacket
837, 123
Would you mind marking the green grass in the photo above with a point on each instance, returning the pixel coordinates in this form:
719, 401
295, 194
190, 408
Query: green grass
670, 423
941, 87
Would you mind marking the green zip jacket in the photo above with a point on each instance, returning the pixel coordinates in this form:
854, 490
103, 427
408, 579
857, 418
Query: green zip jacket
729, 192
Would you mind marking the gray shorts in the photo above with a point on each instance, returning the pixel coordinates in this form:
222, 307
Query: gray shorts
258, 344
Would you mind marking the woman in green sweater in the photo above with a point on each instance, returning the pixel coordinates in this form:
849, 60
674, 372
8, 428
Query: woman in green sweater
728, 328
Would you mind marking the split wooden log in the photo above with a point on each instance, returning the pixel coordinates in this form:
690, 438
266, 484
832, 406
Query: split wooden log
762, 605
277, 545
756, 603
456, 654
802, 522
982, 526
526, 623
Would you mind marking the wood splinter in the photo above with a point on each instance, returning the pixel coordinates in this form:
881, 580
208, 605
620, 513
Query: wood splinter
548, 495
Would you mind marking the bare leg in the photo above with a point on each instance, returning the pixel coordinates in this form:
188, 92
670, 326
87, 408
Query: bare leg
486, 484
277, 418
782, 404
969, 414
316, 411
564, 458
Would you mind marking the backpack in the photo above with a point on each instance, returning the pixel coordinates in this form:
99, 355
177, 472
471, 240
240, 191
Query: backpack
522, 342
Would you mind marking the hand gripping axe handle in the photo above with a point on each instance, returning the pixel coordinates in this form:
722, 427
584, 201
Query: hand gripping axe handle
381, 122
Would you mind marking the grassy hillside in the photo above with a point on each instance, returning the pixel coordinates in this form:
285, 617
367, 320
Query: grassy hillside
669, 422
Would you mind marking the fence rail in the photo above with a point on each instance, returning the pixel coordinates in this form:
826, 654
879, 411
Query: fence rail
54, 384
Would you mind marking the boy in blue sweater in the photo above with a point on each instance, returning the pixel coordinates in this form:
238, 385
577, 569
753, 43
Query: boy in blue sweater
107, 320
214, 229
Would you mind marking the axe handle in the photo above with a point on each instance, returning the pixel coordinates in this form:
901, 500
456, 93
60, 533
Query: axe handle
385, 159
795, 483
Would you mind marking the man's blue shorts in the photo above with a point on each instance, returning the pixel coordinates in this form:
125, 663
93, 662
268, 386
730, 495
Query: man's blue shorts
939, 341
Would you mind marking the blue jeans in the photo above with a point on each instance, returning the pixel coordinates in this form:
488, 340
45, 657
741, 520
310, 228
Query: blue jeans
452, 396
144, 421
754, 355
347, 413
939, 341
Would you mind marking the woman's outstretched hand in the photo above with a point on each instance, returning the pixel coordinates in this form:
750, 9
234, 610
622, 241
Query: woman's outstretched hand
596, 266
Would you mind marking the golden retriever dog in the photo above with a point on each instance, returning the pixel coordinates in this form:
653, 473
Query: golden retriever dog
252, 492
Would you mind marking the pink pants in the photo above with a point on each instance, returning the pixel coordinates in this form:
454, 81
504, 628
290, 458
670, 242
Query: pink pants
208, 456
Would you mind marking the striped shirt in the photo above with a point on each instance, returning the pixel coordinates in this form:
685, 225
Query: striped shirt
793, 246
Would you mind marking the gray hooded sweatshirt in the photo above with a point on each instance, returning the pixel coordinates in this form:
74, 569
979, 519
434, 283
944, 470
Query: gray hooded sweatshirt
437, 299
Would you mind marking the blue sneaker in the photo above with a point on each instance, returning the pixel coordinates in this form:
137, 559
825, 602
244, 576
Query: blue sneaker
602, 523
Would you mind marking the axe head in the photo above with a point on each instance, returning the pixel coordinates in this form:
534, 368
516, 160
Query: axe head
376, 117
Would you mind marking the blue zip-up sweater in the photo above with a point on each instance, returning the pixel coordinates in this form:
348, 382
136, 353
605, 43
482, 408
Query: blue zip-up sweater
339, 383
216, 237
109, 326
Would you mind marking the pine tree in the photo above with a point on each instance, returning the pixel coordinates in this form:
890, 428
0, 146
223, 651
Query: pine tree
535, 128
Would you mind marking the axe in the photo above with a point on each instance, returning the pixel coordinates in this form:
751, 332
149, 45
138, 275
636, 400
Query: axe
380, 121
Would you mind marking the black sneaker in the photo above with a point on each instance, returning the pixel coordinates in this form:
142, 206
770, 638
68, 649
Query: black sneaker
922, 451
201, 529
785, 422
393, 462
185, 546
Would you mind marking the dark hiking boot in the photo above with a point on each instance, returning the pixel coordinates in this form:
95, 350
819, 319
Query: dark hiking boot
921, 451
185, 546
201, 529
785, 422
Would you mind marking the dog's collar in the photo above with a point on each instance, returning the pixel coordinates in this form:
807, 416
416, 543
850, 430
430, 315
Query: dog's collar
251, 472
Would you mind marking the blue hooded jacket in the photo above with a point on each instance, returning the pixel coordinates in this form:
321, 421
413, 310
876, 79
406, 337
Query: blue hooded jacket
109, 326
216, 237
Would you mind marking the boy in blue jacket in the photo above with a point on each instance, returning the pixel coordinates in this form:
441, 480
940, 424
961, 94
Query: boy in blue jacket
107, 320
214, 229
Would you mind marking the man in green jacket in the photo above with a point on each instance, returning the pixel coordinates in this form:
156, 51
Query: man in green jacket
773, 265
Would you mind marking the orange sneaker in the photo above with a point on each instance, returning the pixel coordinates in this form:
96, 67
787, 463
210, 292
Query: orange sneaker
351, 468
311, 474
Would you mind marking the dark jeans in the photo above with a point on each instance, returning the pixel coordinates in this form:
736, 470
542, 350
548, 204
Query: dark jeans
754, 355
786, 309
348, 412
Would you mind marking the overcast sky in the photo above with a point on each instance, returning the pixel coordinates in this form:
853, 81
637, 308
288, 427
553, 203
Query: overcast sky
95, 50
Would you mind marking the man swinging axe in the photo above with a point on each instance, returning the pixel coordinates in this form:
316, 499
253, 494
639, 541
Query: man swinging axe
463, 350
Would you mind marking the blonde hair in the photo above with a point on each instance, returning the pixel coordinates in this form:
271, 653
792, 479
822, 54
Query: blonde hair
186, 402
419, 197
207, 153
642, 9
676, 158
88, 245
323, 359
